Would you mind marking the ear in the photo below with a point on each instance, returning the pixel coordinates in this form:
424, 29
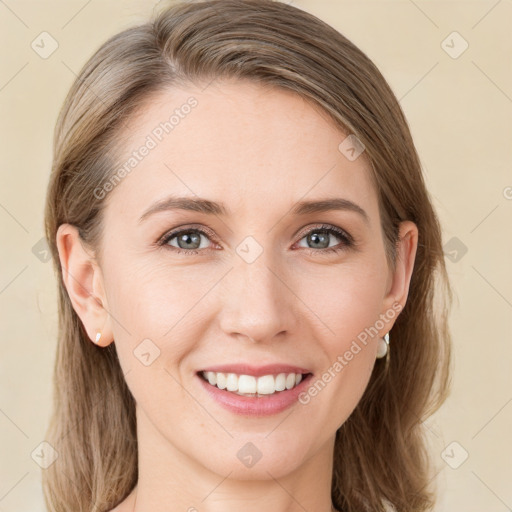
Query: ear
400, 276
84, 283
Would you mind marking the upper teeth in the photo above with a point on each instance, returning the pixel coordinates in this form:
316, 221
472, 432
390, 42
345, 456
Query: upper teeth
247, 384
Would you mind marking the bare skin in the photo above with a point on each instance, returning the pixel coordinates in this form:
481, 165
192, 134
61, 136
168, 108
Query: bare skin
259, 152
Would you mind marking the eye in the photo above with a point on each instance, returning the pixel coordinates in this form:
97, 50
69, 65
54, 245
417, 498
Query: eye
319, 238
186, 240
189, 240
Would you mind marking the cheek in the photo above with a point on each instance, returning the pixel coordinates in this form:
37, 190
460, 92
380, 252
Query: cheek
348, 304
145, 293
151, 300
345, 300
155, 328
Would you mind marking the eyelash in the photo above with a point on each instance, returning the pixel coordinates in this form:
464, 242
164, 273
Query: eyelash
347, 240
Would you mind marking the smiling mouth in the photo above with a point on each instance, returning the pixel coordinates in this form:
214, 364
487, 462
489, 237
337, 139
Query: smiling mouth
249, 385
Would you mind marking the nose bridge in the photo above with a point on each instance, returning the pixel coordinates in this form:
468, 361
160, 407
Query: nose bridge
256, 301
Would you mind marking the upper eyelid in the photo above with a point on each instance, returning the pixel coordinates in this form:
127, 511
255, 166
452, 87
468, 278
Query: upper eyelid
174, 232
321, 226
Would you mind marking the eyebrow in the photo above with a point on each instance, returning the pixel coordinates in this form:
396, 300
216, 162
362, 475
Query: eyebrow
200, 205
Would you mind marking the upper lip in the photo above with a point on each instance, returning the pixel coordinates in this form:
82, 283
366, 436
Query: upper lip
256, 371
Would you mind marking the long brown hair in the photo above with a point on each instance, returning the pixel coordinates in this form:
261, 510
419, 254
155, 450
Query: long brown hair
381, 450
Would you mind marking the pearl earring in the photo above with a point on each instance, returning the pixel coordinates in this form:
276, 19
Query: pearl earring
382, 347
98, 336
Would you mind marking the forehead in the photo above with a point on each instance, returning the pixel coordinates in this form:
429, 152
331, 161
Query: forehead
238, 143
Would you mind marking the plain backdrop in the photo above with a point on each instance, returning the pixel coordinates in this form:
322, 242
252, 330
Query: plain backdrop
449, 63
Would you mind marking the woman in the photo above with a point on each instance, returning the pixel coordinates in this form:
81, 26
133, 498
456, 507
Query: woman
247, 260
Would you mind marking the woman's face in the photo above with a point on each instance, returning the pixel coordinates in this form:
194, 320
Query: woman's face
252, 280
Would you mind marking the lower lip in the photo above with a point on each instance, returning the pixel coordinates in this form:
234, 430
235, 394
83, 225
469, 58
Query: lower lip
256, 406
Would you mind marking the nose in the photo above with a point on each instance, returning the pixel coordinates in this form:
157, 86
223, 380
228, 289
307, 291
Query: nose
257, 301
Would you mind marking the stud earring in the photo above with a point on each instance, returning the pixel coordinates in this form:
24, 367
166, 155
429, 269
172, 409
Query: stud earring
98, 337
382, 347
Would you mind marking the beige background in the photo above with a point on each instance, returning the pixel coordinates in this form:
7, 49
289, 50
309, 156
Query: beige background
460, 112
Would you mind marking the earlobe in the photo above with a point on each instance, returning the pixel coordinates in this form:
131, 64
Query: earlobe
83, 281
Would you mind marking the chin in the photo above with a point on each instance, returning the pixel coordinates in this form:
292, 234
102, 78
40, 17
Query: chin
258, 456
